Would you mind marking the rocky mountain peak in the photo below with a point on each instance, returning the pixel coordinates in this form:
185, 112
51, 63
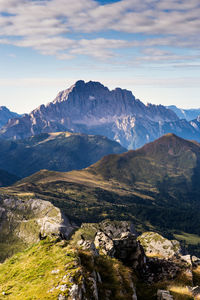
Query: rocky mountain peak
91, 108
81, 87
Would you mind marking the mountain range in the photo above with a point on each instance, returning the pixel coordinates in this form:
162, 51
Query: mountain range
188, 114
60, 151
5, 115
7, 178
92, 108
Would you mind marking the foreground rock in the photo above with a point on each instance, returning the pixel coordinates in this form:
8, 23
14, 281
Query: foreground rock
24, 222
164, 295
115, 239
156, 245
125, 248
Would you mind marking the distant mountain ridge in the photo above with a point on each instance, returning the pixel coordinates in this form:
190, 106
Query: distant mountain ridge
5, 115
188, 114
7, 178
92, 108
60, 151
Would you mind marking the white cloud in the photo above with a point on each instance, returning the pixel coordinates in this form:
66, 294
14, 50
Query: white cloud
60, 27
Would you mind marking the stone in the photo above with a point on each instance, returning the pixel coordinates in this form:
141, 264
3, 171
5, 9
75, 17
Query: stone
156, 245
105, 243
118, 241
63, 287
75, 292
195, 260
187, 259
164, 295
62, 297
55, 271
88, 245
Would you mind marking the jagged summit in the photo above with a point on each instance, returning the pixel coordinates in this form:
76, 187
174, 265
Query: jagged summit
91, 108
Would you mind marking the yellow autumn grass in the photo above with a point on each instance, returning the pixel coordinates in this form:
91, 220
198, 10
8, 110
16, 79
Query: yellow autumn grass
181, 292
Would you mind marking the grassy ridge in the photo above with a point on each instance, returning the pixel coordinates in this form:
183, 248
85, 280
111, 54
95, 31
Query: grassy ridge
51, 267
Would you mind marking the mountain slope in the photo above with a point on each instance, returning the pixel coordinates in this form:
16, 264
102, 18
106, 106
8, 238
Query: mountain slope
168, 158
92, 108
7, 178
62, 151
157, 187
5, 115
188, 114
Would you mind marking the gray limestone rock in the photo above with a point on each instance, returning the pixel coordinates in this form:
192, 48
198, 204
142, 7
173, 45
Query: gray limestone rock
116, 240
156, 245
92, 108
164, 295
28, 220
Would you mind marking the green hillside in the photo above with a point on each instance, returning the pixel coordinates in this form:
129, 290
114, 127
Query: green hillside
62, 151
52, 269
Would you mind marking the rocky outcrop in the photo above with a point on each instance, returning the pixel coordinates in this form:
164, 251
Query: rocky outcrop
125, 248
156, 245
92, 108
164, 295
29, 220
115, 239
88, 245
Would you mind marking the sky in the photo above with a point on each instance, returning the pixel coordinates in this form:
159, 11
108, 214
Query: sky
151, 47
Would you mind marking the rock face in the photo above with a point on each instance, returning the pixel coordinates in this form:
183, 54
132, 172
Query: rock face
196, 123
156, 245
5, 115
92, 108
27, 221
125, 248
115, 239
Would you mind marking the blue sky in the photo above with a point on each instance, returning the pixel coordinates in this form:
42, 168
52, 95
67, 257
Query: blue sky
151, 47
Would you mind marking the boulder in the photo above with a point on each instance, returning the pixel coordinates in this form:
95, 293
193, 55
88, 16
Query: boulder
156, 245
26, 221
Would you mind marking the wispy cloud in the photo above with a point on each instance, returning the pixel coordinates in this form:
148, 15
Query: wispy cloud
61, 28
